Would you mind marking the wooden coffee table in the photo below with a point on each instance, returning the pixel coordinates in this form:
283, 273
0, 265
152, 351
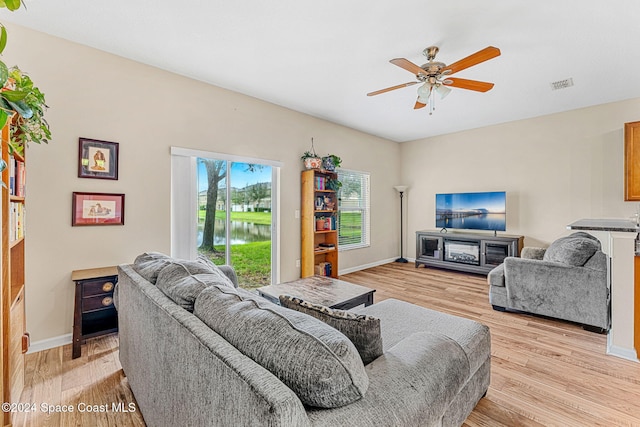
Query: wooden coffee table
332, 293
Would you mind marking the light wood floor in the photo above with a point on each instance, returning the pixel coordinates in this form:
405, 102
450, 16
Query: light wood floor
543, 372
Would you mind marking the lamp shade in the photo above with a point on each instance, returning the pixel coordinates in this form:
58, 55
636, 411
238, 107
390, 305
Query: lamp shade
401, 188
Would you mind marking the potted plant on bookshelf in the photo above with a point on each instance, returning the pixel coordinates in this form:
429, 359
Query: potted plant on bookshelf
334, 184
311, 159
330, 162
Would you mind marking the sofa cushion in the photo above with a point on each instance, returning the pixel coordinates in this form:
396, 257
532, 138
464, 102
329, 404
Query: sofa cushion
149, 265
574, 250
399, 319
182, 281
362, 330
313, 359
496, 276
184, 290
532, 253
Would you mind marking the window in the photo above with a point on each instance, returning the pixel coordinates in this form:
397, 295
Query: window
353, 221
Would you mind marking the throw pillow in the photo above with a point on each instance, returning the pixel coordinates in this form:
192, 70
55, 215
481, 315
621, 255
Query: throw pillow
314, 360
362, 330
572, 250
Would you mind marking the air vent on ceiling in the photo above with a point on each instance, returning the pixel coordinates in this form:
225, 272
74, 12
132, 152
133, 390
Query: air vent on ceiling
562, 84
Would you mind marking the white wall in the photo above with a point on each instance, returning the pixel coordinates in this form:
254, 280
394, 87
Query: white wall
556, 169
97, 95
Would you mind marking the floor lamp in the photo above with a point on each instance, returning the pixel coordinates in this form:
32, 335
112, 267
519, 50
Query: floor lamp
401, 189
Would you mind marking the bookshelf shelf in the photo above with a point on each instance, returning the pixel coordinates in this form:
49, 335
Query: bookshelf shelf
323, 250
15, 243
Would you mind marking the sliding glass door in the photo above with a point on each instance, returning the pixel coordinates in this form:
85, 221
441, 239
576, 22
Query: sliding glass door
235, 217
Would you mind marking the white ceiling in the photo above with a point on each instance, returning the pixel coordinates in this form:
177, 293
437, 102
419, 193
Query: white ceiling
323, 57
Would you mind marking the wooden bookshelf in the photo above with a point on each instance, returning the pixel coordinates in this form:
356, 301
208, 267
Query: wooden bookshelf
15, 341
319, 224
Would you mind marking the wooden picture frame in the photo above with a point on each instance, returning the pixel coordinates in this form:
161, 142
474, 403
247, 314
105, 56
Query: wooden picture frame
632, 162
97, 209
97, 159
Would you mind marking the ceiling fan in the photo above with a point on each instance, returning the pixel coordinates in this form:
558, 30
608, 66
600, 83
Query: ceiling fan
435, 75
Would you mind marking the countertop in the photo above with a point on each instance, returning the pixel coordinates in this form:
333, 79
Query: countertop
624, 225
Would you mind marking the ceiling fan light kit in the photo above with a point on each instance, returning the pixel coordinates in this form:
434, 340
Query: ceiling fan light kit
434, 75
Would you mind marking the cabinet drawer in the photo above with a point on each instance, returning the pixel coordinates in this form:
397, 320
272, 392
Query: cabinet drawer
97, 302
99, 286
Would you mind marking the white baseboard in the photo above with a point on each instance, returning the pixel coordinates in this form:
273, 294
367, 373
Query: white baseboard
365, 266
41, 345
624, 353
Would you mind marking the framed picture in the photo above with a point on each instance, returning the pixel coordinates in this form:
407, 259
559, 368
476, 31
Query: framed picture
97, 159
97, 209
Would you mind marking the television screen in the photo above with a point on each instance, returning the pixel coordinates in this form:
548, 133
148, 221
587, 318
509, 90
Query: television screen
472, 211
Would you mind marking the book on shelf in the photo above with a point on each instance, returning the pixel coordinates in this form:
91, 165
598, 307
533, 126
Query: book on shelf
16, 177
16, 221
321, 183
323, 269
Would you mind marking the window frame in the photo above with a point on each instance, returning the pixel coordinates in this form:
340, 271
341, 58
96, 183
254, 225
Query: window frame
365, 224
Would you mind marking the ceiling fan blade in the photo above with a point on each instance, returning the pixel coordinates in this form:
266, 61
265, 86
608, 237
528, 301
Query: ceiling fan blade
378, 92
408, 65
468, 84
419, 105
471, 60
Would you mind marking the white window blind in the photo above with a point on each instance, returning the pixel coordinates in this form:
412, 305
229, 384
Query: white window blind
353, 215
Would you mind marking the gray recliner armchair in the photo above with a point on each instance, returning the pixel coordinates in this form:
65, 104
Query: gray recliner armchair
566, 281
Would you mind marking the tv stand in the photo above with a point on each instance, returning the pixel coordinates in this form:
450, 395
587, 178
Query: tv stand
469, 252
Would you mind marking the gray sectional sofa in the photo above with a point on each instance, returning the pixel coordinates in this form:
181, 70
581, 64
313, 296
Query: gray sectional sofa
199, 351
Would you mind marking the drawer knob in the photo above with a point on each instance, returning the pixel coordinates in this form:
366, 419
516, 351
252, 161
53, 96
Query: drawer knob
106, 301
107, 287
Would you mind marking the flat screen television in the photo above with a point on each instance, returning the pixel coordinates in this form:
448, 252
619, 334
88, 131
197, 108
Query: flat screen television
472, 211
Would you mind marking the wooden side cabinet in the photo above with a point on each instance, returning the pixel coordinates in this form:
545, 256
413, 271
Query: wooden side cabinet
632, 162
94, 312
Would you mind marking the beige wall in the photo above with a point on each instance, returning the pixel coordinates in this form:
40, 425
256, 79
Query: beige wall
97, 95
556, 169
